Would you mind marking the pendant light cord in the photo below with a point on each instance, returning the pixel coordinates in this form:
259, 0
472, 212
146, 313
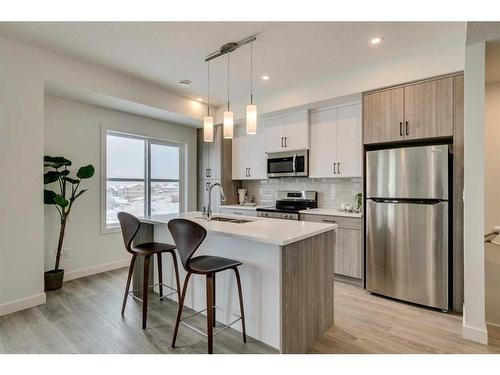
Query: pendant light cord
208, 94
251, 73
228, 82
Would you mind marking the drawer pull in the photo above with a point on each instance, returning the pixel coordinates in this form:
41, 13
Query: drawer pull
238, 213
329, 221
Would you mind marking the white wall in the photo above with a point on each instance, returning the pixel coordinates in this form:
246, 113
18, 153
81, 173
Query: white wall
73, 130
492, 200
24, 71
21, 203
474, 327
421, 64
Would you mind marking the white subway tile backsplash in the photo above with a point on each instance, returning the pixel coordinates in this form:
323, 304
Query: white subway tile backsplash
332, 192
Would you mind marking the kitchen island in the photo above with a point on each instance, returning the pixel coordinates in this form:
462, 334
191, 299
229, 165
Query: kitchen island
287, 275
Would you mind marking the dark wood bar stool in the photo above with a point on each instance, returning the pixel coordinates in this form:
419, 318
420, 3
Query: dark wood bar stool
188, 236
130, 227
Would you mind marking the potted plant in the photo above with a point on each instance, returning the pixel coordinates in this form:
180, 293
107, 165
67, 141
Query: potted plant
68, 190
359, 201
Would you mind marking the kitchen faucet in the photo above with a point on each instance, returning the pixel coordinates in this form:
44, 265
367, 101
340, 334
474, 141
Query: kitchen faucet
222, 197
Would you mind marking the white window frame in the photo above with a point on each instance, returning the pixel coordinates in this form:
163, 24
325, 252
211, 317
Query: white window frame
148, 141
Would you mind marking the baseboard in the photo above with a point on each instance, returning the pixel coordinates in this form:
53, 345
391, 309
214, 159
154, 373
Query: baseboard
22, 304
475, 334
83, 272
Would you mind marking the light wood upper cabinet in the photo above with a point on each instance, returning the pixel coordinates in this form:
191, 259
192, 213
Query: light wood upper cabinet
249, 157
383, 114
415, 111
429, 109
336, 145
287, 132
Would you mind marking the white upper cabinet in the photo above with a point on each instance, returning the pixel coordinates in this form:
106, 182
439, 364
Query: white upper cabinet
336, 143
209, 156
249, 156
349, 141
323, 138
287, 133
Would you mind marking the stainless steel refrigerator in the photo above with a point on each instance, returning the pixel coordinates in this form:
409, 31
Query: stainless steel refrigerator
407, 243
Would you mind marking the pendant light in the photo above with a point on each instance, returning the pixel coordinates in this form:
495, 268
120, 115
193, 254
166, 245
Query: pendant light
251, 108
208, 121
228, 115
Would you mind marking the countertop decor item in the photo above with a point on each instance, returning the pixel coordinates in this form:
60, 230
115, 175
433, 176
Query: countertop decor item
68, 191
359, 201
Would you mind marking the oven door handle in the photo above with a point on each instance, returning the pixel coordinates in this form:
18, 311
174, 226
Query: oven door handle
294, 163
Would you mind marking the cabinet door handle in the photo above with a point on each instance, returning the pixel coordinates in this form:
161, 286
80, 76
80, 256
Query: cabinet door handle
401, 128
338, 167
406, 123
286, 138
249, 172
237, 213
282, 142
334, 165
329, 221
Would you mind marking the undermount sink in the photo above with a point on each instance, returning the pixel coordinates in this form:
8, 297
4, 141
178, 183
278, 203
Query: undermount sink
230, 220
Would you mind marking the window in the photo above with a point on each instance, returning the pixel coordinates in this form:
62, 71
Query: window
142, 176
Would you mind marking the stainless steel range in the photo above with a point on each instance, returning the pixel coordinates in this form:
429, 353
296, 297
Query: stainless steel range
289, 203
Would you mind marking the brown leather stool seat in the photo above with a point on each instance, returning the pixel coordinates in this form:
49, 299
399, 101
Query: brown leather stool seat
209, 264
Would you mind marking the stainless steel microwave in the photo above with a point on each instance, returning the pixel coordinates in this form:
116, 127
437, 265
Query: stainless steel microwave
288, 164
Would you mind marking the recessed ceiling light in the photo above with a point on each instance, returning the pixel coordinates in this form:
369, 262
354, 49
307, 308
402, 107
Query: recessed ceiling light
265, 78
376, 40
185, 83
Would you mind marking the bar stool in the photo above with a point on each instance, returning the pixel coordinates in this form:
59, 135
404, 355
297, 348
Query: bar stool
130, 227
188, 236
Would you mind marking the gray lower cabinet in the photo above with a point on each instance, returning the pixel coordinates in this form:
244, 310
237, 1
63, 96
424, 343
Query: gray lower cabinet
349, 244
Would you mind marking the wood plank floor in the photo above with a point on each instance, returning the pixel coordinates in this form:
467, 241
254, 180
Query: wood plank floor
366, 323
84, 317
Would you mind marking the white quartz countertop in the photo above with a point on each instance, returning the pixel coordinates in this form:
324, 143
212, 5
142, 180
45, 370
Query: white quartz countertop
331, 212
238, 207
272, 231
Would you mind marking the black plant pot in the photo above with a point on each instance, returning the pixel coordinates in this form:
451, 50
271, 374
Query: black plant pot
53, 279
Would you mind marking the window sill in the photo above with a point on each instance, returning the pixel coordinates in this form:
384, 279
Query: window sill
113, 229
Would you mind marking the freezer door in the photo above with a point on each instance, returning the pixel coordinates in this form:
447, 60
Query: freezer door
407, 251
410, 172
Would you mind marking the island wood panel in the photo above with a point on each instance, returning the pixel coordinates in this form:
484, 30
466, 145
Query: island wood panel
458, 187
307, 280
428, 109
382, 114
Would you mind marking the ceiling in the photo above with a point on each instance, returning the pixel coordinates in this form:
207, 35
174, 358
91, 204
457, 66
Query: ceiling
291, 53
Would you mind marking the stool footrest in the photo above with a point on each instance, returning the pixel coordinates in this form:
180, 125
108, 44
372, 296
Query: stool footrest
152, 286
182, 321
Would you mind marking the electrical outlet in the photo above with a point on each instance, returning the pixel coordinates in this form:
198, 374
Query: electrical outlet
65, 254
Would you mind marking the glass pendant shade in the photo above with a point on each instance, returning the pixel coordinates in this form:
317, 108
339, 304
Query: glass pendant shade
208, 129
228, 124
251, 119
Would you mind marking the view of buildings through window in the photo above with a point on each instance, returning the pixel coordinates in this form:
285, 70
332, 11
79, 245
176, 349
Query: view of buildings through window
142, 176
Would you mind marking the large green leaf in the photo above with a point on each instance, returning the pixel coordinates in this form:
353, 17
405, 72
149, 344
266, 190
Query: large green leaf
55, 161
50, 177
71, 180
85, 172
60, 200
48, 196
